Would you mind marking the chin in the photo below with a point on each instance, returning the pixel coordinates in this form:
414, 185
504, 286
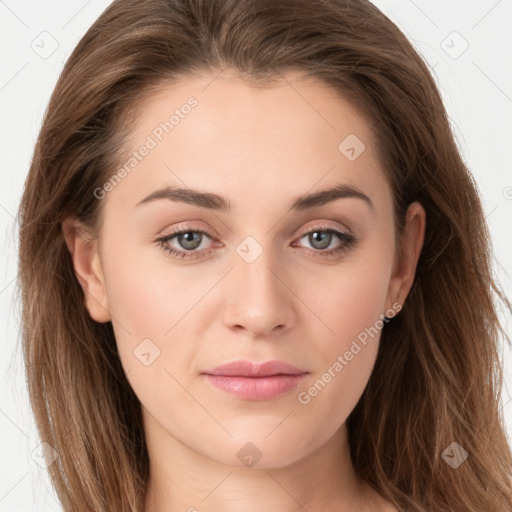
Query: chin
258, 453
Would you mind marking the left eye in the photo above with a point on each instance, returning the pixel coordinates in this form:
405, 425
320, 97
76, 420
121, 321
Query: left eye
190, 240
322, 237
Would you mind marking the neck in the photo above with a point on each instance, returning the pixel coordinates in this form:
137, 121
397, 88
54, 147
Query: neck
183, 480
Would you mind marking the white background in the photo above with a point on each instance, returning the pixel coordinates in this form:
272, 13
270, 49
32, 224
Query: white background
476, 85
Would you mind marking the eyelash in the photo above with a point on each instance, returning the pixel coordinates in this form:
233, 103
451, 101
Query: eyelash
348, 242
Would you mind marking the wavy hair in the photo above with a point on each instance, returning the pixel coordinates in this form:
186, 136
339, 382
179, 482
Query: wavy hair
438, 376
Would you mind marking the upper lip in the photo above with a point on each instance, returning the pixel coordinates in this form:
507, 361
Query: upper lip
249, 369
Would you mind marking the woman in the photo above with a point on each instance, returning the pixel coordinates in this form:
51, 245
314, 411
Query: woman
256, 272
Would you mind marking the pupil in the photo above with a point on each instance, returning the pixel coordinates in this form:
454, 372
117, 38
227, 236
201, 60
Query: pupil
188, 240
317, 237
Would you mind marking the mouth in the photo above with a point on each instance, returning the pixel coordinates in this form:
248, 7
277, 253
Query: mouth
255, 381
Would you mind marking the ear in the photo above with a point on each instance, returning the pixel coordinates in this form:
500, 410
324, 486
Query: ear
88, 269
404, 267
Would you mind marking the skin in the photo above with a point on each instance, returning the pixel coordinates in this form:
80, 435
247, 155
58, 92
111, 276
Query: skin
260, 148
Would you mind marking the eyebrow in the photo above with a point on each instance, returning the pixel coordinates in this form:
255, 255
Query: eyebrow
215, 202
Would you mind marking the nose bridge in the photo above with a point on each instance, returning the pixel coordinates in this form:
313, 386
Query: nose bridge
258, 298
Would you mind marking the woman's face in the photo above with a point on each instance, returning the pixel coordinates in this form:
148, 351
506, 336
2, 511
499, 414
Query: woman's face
276, 277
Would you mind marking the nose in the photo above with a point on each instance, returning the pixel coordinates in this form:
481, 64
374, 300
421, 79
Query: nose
258, 297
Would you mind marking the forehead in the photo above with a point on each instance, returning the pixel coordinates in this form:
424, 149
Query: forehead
292, 107
215, 132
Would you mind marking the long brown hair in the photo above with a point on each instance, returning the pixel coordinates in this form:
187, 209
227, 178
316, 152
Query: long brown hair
437, 379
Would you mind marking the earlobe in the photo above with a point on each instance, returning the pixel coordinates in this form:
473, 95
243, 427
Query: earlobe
88, 268
411, 243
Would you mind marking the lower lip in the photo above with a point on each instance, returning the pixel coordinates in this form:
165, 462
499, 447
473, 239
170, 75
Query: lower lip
256, 388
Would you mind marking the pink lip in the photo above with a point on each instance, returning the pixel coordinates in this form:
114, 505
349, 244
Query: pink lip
252, 381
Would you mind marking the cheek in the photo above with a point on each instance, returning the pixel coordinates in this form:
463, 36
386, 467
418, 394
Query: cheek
154, 305
352, 305
149, 295
352, 297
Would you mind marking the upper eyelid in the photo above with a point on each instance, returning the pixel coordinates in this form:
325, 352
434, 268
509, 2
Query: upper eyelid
324, 226
303, 233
